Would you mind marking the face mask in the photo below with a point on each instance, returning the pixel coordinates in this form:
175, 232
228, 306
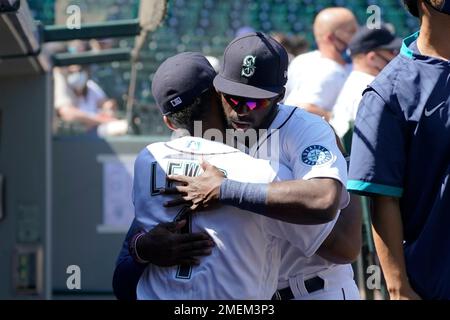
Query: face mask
346, 56
386, 61
77, 80
444, 8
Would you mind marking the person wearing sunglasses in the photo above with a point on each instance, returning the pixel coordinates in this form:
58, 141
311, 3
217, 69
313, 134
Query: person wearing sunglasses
371, 50
245, 261
251, 86
311, 201
253, 111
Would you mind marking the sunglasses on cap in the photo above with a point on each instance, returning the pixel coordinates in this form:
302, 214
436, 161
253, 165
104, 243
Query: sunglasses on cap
252, 104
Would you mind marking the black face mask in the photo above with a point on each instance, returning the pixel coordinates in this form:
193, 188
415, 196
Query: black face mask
445, 8
384, 59
344, 53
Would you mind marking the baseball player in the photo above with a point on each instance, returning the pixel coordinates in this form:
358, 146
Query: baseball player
251, 83
341, 246
401, 157
245, 261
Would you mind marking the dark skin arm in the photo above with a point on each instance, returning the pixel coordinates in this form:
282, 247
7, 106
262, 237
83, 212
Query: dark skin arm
164, 247
312, 201
304, 201
343, 245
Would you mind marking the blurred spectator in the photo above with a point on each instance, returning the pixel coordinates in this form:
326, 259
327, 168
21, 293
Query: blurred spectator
77, 46
294, 45
80, 100
316, 78
371, 50
101, 44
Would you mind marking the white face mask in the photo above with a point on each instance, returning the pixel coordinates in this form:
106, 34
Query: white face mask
77, 80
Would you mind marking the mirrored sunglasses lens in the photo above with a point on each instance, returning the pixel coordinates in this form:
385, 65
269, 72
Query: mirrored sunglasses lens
252, 105
234, 102
264, 103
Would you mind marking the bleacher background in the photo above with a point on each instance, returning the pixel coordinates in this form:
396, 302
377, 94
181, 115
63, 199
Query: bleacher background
200, 25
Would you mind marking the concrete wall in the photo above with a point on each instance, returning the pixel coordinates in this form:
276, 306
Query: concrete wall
80, 235
25, 163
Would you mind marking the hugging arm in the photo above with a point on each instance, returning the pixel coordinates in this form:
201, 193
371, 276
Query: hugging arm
161, 246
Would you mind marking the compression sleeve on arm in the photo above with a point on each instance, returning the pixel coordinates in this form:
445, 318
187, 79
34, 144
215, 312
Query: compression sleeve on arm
246, 196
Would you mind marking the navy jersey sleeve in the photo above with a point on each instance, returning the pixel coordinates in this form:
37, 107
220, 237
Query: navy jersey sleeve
127, 272
379, 147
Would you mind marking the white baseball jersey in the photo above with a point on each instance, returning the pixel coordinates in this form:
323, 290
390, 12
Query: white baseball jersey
307, 146
316, 80
245, 261
346, 107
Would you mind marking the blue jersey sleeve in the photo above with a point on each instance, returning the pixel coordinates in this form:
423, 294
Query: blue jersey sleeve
127, 272
141, 180
379, 145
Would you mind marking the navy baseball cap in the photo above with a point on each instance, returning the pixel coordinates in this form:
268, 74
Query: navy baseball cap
366, 40
180, 80
254, 66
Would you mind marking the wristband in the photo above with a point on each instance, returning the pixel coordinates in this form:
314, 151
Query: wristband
246, 196
133, 248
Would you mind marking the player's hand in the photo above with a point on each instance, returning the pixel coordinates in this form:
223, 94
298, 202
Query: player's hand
201, 192
164, 247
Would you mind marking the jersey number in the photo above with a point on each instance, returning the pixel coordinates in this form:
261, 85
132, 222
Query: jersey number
184, 271
188, 169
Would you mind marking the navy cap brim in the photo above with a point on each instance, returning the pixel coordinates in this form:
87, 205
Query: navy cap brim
243, 90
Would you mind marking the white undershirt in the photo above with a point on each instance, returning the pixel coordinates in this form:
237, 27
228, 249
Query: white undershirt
314, 79
346, 107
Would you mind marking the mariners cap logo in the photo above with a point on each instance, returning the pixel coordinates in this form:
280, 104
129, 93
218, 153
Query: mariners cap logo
316, 155
248, 66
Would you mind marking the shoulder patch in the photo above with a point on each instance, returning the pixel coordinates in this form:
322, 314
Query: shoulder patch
316, 155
